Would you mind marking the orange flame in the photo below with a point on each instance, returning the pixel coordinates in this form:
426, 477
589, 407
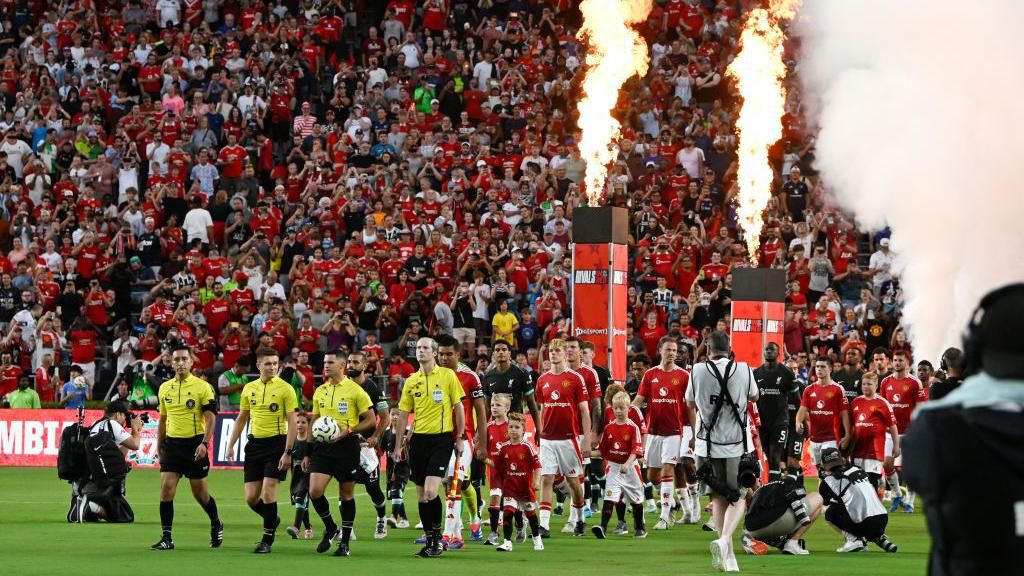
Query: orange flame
615, 52
759, 71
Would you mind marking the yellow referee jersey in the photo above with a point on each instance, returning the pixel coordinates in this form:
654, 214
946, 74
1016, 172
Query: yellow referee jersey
182, 406
268, 406
431, 397
345, 401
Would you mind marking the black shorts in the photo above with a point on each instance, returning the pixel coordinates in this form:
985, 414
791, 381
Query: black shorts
429, 455
794, 444
299, 489
262, 455
870, 528
364, 477
774, 436
339, 459
179, 457
477, 472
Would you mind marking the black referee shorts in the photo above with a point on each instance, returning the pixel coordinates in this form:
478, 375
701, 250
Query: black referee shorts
429, 455
262, 456
338, 459
179, 457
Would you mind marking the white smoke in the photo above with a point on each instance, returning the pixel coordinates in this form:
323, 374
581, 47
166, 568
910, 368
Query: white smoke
918, 103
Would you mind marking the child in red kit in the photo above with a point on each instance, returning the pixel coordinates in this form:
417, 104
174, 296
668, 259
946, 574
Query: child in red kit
620, 447
517, 466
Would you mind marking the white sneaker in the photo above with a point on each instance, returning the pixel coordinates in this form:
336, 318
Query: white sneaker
709, 526
718, 553
855, 545
403, 524
661, 525
505, 546
419, 525
793, 547
538, 543
695, 512
621, 529
381, 530
352, 536
568, 528
652, 507
731, 565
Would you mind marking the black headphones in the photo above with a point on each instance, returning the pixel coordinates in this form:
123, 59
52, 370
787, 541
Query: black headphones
974, 343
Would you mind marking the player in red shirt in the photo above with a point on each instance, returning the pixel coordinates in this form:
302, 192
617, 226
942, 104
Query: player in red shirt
620, 448
475, 442
564, 416
663, 389
518, 468
823, 407
497, 435
872, 420
902, 390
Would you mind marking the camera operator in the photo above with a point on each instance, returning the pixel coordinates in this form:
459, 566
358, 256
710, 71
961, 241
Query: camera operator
780, 513
852, 505
102, 497
964, 454
717, 398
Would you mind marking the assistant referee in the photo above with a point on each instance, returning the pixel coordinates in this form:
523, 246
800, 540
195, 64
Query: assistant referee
187, 408
434, 395
269, 404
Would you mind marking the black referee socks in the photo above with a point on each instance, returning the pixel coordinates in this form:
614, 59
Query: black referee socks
257, 507
167, 518
348, 518
211, 510
269, 517
323, 509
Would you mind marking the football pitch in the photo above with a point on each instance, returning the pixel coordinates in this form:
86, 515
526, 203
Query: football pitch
36, 539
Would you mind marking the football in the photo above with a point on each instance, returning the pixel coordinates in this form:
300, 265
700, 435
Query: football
80, 382
325, 429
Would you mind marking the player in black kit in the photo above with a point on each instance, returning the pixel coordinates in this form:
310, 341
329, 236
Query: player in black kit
776, 384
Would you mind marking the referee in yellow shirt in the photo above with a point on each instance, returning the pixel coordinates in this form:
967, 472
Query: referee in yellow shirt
269, 404
187, 408
434, 395
345, 401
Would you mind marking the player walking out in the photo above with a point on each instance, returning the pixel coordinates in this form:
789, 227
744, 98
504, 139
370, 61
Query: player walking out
434, 395
299, 488
565, 415
269, 403
663, 388
823, 406
187, 408
872, 420
345, 401
776, 383
497, 435
902, 391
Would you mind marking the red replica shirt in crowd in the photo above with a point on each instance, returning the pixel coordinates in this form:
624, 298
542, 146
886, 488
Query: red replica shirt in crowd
497, 436
871, 419
902, 394
472, 390
560, 395
9, 379
44, 385
665, 391
825, 404
619, 441
217, 313
83, 346
232, 158
514, 465
650, 337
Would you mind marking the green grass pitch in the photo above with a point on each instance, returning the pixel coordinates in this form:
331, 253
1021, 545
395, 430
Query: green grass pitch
36, 540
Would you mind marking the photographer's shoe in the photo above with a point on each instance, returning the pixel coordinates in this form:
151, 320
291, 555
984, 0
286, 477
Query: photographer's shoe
163, 544
262, 548
217, 535
854, 545
793, 547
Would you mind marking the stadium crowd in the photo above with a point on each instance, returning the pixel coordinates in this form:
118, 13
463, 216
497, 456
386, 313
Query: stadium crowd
348, 174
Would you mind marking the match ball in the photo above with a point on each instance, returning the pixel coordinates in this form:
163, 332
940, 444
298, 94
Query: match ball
325, 429
80, 382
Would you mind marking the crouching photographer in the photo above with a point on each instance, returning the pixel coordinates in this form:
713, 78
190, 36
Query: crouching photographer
852, 505
717, 398
780, 513
101, 497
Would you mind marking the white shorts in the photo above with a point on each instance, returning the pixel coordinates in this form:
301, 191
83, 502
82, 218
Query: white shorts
817, 447
898, 461
661, 450
626, 484
467, 455
560, 457
684, 447
868, 465
518, 504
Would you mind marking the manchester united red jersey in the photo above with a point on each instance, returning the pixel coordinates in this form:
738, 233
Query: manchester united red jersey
871, 418
472, 390
665, 391
635, 416
902, 394
497, 435
560, 395
514, 465
825, 404
619, 441
591, 384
